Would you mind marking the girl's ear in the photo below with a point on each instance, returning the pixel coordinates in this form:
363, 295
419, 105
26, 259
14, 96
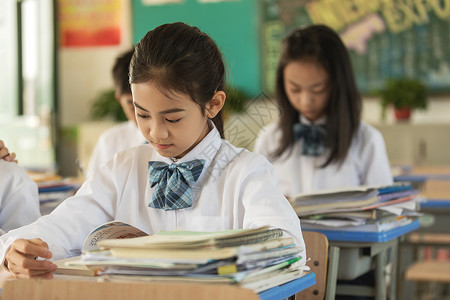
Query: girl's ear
215, 105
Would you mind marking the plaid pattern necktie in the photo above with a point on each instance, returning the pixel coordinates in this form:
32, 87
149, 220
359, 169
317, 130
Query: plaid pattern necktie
174, 181
313, 138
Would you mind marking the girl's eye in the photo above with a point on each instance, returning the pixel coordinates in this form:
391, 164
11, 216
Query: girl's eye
173, 121
295, 91
142, 116
319, 91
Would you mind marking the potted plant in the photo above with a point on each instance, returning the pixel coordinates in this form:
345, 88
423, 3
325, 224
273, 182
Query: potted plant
105, 105
404, 94
236, 101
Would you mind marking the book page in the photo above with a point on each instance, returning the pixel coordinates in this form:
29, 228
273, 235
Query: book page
179, 238
110, 230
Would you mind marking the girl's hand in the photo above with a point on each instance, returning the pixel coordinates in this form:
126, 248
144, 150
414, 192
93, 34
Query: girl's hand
4, 153
22, 263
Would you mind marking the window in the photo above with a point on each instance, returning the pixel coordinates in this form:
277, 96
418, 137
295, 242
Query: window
27, 81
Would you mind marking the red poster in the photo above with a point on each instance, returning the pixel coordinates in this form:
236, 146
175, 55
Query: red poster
89, 22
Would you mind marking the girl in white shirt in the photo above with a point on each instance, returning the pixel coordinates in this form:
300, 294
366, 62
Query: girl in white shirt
319, 141
188, 177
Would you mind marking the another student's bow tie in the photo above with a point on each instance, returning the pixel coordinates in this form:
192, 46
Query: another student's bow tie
174, 182
313, 138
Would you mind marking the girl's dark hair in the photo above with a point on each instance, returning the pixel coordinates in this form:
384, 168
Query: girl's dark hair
322, 45
120, 72
181, 58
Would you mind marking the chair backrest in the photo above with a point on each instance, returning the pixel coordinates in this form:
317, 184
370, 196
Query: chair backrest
317, 252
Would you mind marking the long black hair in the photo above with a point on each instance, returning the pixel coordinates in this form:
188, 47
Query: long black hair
181, 58
322, 45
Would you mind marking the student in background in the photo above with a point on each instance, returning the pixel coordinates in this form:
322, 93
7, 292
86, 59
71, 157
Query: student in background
19, 200
319, 142
122, 136
188, 177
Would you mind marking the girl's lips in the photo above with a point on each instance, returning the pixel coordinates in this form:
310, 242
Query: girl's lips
162, 146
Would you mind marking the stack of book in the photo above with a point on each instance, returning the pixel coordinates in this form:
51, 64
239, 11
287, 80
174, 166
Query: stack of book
53, 189
358, 209
257, 259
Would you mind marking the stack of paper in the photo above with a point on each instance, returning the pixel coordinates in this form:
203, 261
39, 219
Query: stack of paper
258, 258
358, 209
53, 190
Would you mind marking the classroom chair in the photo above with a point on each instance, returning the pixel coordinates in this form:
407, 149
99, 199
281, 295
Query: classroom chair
429, 272
317, 251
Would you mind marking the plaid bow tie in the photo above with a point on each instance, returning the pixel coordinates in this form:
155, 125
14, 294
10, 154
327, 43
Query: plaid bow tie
174, 181
313, 138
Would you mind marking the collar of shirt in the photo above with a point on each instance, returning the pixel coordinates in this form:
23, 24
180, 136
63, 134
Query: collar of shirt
320, 121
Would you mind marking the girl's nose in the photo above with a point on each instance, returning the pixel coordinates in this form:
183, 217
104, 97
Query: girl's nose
159, 132
305, 98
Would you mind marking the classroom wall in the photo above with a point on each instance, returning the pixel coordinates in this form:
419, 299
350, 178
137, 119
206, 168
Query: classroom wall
234, 25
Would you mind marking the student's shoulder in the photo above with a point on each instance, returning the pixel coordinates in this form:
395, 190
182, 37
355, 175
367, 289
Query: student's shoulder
368, 134
115, 130
269, 130
267, 138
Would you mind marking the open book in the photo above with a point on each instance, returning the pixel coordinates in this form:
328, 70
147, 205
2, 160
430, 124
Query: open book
110, 230
126, 241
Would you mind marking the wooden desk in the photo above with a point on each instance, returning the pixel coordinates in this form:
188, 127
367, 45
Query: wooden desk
73, 290
374, 245
433, 181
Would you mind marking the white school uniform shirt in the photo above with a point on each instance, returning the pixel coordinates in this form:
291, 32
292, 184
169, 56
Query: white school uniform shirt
19, 200
366, 162
115, 139
236, 189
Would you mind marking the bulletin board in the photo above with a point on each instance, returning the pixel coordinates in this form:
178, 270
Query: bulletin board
385, 38
234, 25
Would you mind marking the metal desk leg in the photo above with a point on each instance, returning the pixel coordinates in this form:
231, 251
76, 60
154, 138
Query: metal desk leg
394, 269
333, 264
380, 280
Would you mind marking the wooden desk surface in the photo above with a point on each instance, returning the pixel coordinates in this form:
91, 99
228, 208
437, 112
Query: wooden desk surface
438, 271
73, 290
434, 189
81, 287
430, 170
437, 190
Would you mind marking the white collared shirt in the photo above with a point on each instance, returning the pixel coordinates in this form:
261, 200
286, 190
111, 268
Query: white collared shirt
366, 162
19, 200
237, 189
115, 139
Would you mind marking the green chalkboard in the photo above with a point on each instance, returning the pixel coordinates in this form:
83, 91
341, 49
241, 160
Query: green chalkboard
232, 24
385, 38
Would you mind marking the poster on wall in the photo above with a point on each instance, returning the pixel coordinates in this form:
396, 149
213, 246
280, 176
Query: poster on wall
385, 38
87, 23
